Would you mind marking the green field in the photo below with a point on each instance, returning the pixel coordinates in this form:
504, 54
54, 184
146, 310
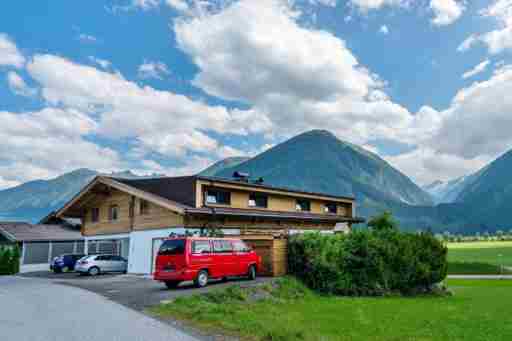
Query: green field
480, 257
479, 310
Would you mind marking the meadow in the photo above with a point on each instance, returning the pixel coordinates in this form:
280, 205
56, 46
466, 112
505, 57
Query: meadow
485, 257
478, 310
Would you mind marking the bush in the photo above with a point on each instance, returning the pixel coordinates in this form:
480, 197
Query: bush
9, 260
368, 262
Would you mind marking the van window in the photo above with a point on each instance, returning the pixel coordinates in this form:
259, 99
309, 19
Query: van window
201, 246
172, 247
221, 246
240, 246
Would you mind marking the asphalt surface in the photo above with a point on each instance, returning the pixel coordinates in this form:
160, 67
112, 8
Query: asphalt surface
42, 310
135, 292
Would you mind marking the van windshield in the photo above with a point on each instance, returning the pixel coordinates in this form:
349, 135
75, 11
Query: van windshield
172, 247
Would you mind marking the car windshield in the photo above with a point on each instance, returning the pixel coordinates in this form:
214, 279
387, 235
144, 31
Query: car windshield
172, 247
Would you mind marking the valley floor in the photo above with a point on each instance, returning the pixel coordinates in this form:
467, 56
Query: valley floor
480, 258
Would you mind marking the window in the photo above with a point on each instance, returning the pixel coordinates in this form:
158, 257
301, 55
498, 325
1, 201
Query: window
222, 246
95, 215
303, 205
218, 197
114, 212
144, 207
258, 200
201, 246
240, 246
172, 247
331, 207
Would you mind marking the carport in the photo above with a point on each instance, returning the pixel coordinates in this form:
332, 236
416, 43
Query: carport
40, 243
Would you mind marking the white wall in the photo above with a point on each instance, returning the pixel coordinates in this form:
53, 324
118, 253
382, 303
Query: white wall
141, 248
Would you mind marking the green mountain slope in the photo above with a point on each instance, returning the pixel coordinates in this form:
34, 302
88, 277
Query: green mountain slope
35, 199
318, 161
223, 164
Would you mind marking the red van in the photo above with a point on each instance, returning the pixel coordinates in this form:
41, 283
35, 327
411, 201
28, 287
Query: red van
199, 259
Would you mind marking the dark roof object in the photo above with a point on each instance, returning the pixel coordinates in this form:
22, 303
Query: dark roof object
180, 189
19, 231
273, 215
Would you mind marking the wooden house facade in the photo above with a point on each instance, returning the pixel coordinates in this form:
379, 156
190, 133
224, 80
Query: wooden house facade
137, 214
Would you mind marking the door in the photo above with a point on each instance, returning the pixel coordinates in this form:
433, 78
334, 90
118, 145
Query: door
242, 257
104, 263
201, 256
118, 264
224, 260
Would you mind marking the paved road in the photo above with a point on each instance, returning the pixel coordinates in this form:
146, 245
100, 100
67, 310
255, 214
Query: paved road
41, 310
509, 277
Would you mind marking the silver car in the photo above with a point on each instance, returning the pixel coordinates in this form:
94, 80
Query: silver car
96, 264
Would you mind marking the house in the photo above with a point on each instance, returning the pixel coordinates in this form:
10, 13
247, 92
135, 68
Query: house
40, 243
135, 215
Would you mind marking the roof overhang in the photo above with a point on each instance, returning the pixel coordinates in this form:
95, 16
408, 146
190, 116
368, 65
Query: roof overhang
169, 204
275, 216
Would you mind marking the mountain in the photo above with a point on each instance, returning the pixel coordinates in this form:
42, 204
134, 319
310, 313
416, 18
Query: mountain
488, 198
448, 191
33, 200
223, 164
318, 161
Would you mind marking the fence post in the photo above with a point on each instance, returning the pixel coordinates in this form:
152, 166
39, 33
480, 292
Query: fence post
50, 249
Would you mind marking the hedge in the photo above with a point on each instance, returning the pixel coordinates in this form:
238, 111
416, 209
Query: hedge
368, 262
9, 260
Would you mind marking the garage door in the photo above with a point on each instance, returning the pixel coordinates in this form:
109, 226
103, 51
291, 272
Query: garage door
157, 242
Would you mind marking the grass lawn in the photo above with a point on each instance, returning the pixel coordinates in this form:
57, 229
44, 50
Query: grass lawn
479, 257
479, 310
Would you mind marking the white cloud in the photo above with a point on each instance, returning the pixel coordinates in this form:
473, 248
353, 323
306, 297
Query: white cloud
240, 59
18, 85
477, 69
180, 5
145, 4
9, 53
46, 143
150, 69
158, 121
446, 12
478, 121
4, 183
87, 38
425, 166
105, 64
366, 5
384, 30
499, 39
468, 43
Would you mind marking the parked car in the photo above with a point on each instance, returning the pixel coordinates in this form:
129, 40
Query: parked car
198, 259
65, 262
96, 264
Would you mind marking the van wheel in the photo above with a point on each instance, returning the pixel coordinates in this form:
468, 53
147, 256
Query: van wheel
252, 273
94, 271
201, 279
172, 284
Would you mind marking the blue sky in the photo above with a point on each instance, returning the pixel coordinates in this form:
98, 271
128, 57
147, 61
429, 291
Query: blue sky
170, 86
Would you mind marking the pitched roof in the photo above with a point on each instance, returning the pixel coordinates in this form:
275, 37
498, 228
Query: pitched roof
179, 189
19, 231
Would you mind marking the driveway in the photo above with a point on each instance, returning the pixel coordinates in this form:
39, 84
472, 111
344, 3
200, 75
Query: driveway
40, 310
133, 291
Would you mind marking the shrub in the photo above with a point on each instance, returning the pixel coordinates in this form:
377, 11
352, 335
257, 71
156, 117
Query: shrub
9, 260
368, 262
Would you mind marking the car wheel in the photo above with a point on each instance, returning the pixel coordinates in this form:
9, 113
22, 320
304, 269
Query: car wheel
65, 269
172, 284
94, 271
57, 270
201, 279
251, 274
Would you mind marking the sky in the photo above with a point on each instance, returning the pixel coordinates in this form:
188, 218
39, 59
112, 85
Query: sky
171, 86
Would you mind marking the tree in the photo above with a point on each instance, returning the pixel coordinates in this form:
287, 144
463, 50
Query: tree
383, 222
